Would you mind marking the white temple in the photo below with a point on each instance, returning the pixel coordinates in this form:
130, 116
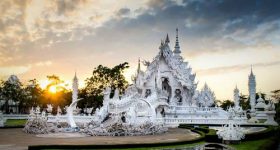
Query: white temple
163, 95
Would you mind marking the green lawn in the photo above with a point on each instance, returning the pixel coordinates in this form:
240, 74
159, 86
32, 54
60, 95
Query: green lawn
15, 122
251, 145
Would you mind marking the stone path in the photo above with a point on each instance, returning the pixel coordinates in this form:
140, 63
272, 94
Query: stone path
16, 139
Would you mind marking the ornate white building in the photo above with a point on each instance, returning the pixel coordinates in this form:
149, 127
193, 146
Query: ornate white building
164, 95
165, 92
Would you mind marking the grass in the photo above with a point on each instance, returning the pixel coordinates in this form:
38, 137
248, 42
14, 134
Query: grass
251, 145
15, 122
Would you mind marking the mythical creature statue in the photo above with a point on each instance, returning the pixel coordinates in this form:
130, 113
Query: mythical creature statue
146, 63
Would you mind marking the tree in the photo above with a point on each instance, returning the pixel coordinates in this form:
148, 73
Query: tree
12, 90
226, 103
56, 93
55, 81
103, 77
244, 102
89, 100
33, 93
276, 96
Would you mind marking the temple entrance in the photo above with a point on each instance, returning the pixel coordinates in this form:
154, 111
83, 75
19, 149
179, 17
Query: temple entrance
166, 88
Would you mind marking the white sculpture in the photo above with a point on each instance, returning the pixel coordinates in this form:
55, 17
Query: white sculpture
49, 108
37, 110
73, 105
88, 110
32, 112
37, 122
59, 111
231, 131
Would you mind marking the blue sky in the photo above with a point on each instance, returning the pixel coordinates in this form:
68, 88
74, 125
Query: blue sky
219, 38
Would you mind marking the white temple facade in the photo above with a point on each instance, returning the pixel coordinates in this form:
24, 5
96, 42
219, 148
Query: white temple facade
166, 92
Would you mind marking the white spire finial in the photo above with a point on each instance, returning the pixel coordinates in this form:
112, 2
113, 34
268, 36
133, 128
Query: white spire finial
177, 46
167, 39
252, 69
139, 66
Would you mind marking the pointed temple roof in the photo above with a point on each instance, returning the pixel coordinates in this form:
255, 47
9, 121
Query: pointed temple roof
180, 69
75, 77
139, 66
177, 46
167, 39
252, 74
236, 89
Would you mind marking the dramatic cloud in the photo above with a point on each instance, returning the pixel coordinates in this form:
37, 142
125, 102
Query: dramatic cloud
81, 34
235, 68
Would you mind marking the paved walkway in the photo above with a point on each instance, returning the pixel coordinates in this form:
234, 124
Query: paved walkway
16, 139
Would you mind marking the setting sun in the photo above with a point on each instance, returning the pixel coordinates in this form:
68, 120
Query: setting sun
53, 89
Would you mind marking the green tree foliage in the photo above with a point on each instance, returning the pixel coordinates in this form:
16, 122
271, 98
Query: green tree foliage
244, 102
12, 89
226, 103
89, 100
101, 78
33, 93
275, 96
55, 81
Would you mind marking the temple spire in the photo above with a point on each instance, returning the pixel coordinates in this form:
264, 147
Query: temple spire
167, 39
252, 90
236, 97
252, 70
139, 66
75, 88
177, 46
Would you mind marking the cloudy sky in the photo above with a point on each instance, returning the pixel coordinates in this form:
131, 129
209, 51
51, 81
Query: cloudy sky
219, 38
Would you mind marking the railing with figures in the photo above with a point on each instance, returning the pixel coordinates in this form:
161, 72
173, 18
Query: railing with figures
15, 116
63, 118
189, 108
177, 121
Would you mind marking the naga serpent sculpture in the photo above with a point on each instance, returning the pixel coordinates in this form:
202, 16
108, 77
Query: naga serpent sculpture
70, 117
